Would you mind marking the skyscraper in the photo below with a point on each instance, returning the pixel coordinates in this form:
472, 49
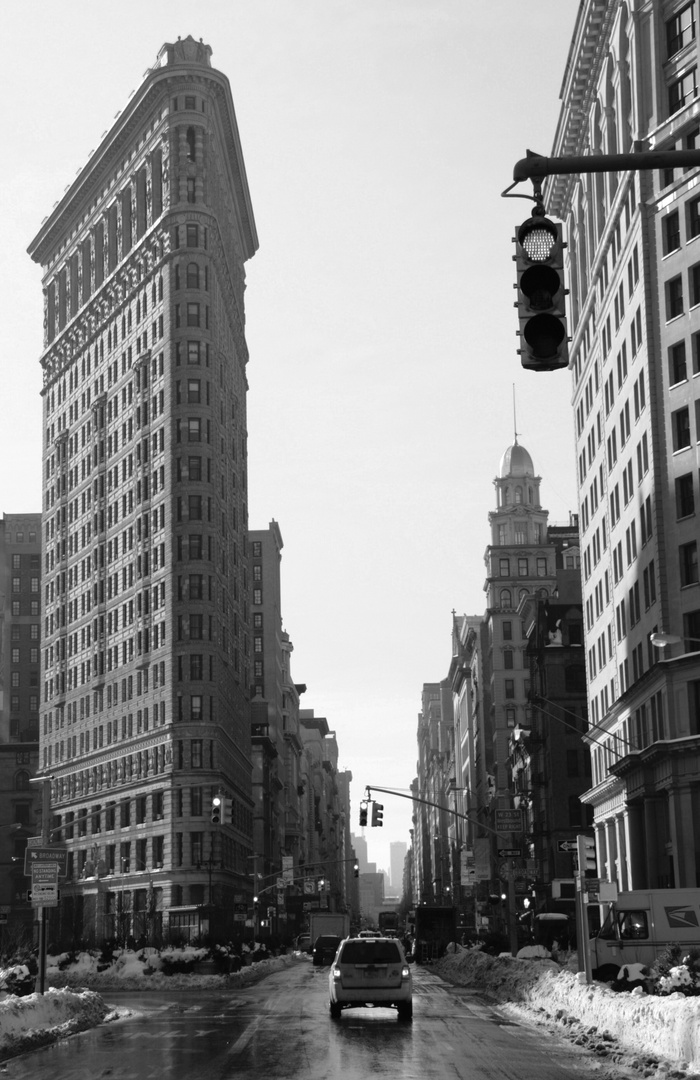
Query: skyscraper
145, 701
397, 858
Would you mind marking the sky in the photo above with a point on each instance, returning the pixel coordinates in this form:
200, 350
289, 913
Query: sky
378, 136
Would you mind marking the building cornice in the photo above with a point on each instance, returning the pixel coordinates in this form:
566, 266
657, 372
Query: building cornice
106, 162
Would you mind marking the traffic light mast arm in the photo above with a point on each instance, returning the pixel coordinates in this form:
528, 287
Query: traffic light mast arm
328, 864
535, 167
414, 798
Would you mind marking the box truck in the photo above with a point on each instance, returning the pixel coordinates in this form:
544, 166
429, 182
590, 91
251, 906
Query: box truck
328, 922
640, 925
435, 928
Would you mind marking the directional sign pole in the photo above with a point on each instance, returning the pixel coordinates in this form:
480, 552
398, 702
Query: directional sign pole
45, 782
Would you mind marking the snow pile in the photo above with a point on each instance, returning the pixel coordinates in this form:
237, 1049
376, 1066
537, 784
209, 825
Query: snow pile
145, 970
38, 1019
595, 1015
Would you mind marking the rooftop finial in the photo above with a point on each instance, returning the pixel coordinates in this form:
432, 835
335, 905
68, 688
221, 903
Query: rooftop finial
515, 424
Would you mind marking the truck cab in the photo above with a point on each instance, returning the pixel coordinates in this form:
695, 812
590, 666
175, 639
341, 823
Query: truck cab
640, 925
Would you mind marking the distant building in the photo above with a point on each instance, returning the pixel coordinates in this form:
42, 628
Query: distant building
397, 858
20, 694
276, 742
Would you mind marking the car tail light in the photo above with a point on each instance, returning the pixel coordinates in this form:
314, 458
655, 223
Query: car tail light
337, 973
405, 972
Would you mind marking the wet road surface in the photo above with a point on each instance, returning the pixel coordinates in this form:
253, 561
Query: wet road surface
281, 1029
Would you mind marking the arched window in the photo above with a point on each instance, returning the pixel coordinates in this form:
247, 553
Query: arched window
510, 718
192, 275
190, 143
22, 781
518, 494
506, 598
508, 496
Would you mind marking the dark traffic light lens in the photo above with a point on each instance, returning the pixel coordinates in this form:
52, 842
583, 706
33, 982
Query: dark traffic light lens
540, 284
544, 334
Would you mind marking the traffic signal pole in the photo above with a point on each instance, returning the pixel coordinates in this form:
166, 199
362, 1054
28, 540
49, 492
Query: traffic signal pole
536, 167
539, 245
512, 920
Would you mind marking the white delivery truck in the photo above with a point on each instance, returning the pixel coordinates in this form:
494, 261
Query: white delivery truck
328, 922
640, 925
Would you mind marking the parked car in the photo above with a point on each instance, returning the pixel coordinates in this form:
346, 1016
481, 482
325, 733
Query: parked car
303, 943
371, 971
325, 948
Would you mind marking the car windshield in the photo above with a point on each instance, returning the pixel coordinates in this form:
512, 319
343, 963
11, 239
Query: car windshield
370, 951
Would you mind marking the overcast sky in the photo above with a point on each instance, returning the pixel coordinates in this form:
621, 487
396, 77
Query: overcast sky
378, 136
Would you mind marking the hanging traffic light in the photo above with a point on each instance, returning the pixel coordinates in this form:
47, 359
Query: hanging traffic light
587, 860
539, 260
356, 869
363, 814
377, 814
216, 810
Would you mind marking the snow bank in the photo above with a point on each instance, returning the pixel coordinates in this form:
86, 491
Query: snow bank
130, 972
27, 1022
71, 1004
667, 1026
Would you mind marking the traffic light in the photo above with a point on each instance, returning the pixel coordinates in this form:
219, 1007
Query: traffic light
586, 854
227, 811
216, 810
363, 814
377, 814
321, 884
356, 869
539, 260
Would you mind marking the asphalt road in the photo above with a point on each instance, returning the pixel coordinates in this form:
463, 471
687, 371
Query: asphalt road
281, 1028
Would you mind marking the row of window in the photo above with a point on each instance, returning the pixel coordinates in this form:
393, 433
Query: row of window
674, 293
523, 566
519, 532
505, 596
681, 426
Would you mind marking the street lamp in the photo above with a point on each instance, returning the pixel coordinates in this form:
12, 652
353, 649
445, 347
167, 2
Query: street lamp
661, 641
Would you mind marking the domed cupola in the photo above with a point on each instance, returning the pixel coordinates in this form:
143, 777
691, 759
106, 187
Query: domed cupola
516, 462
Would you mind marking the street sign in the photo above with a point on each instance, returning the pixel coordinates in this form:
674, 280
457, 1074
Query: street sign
48, 853
44, 895
508, 821
44, 874
566, 845
509, 853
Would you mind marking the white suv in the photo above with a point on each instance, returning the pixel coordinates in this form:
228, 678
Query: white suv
371, 971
